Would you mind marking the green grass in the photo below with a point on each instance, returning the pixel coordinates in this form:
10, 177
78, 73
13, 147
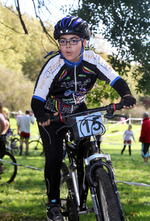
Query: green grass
23, 200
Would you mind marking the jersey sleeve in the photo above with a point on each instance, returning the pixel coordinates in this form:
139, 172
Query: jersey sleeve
107, 73
46, 78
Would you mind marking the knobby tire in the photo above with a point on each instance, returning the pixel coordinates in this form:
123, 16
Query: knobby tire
106, 196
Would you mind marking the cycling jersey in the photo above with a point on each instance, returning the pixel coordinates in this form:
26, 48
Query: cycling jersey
63, 85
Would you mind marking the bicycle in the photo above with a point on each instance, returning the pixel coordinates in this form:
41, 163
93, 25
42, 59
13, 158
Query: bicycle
13, 143
89, 168
8, 167
36, 144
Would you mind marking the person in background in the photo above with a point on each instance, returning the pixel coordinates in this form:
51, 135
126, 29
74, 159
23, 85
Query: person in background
4, 126
24, 123
19, 114
145, 137
61, 88
127, 139
6, 114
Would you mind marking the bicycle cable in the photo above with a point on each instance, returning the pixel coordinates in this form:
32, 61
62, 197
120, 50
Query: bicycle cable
47, 133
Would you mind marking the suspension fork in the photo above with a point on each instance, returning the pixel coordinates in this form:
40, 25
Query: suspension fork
93, 185
95, 204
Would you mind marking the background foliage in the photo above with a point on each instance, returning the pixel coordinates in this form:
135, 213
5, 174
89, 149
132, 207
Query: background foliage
21, 58
126, 25
26, 40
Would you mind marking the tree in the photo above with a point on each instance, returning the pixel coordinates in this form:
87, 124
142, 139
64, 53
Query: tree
126, 25
23, 52
15, 90
21, 58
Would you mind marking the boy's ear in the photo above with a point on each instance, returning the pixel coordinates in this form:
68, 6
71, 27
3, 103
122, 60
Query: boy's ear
84, 43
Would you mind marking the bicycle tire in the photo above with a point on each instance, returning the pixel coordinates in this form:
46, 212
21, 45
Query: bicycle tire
9, 166
36, 146
106, 196
68, 205
15, 146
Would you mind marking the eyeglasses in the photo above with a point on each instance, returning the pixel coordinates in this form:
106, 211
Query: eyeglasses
63, 42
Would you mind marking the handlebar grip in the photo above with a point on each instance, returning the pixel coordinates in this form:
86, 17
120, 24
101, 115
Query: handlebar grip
113, 107
119, 106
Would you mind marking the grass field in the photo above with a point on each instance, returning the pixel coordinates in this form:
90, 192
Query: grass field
23, 200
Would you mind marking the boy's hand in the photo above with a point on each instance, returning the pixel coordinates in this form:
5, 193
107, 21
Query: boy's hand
46, 122
128, 101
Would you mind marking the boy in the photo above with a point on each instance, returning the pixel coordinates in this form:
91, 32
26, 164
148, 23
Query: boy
65, 80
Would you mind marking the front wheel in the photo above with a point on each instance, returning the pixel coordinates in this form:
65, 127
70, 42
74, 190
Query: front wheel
106, 197
8, 167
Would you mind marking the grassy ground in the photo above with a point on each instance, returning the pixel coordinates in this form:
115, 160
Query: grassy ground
23, 200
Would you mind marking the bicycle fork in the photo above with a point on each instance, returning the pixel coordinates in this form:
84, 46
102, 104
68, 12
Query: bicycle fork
92, 183
95, 204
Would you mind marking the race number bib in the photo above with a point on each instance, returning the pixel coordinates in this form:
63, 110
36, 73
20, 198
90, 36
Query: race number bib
89, 125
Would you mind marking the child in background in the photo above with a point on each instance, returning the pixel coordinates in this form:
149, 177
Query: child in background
127, 139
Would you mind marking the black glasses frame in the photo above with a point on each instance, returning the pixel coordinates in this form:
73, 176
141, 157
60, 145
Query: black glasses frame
71, 42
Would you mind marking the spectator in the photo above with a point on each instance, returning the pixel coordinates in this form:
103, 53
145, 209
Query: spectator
19, 114
127, 139
4, 125
6, 115
24, 130
145, 137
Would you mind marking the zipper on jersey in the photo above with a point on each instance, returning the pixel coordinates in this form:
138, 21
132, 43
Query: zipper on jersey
75, 83
75, 77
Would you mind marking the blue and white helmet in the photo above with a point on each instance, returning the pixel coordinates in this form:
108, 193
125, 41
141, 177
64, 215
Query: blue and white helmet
72, 25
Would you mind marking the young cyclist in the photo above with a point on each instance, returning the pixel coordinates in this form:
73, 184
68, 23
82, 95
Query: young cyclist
64, 81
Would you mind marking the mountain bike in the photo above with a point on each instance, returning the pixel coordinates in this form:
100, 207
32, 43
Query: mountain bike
8, 167
89, 175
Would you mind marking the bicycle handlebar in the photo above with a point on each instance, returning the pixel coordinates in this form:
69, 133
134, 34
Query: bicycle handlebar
110, 109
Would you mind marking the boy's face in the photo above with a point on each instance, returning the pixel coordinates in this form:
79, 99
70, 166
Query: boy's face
71, 50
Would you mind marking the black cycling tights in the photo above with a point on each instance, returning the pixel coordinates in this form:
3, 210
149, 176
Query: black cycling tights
53, 147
